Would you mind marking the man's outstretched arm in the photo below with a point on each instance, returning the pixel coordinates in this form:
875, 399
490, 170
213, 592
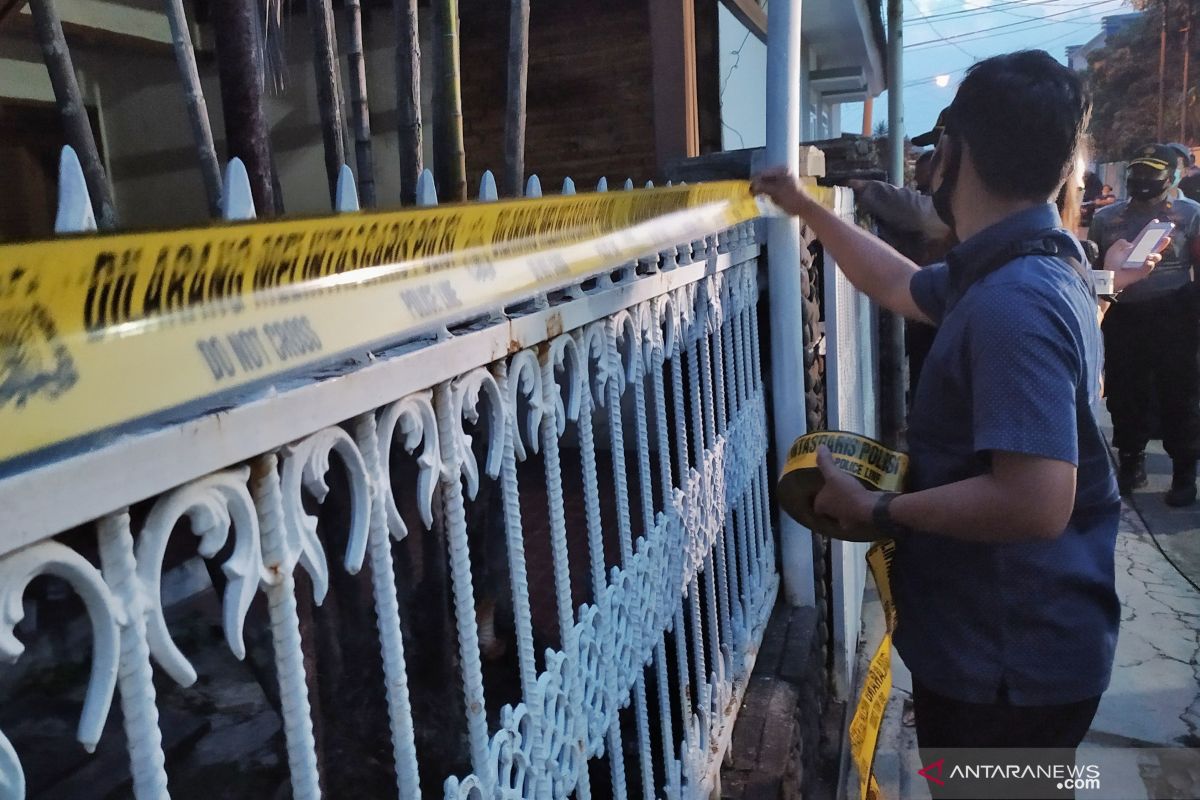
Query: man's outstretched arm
872, 266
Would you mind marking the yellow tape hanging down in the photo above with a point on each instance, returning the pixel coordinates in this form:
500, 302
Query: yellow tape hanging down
878, 468
96, 331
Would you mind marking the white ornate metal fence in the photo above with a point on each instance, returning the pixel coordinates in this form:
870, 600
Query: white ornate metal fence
643, 382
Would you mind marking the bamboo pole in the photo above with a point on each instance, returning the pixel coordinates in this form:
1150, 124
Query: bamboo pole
408, 97
518, 76
240, 68
359, 107
1162, 67
329, 101
1183, 100
450, 158
206, 152
70, 107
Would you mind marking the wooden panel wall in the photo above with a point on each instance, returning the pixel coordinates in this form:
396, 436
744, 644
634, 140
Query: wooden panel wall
590, 106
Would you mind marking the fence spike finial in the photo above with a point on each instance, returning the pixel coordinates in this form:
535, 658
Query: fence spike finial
533, 186
628, 184
75, 213
346, 195
426, 190
568, 186
602, 185
237, 203
487, 187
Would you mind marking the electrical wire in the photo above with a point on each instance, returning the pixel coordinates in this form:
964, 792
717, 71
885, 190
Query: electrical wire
938, 33
1023, 26
974, 12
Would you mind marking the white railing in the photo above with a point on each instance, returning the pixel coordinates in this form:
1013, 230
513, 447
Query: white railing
647, 380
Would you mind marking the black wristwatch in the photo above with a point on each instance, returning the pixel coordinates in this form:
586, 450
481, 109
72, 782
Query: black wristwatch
881, 515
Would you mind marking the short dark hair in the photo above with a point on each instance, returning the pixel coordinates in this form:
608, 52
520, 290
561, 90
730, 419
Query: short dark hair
1022, 115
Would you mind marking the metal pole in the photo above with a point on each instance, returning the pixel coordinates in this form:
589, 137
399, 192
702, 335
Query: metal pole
868, 109
783, 276
74, 114
206, 151
893, 377
895, 67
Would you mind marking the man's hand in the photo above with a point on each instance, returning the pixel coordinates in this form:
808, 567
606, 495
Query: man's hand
842, 498
1119, 252
783, 188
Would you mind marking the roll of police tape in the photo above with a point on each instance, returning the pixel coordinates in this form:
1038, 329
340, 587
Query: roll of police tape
100, 330
876, 467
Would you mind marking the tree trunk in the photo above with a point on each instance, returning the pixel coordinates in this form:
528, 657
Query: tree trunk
359, 106
514, 120
70, 106
206, 152
408, 97
240, 69
329, 97
450, 159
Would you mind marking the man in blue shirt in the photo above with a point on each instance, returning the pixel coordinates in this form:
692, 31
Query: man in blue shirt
1003, 573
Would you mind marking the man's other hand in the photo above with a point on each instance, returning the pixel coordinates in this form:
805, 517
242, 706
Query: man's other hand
842, 497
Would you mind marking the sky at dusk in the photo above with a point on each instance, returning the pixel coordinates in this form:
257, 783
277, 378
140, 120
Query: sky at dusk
942, 37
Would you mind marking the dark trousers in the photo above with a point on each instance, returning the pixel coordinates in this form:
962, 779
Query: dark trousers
1150, 356
943, 722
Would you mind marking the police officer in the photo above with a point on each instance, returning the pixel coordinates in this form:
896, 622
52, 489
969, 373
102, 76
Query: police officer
1150, 335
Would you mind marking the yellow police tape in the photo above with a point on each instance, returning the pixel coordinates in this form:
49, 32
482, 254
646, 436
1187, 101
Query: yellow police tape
96, 331
876, 467
877, 684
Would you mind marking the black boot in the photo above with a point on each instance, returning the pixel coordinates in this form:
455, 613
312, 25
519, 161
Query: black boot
1131, 472
1183, 485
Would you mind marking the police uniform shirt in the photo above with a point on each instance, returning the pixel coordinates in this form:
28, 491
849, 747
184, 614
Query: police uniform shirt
1125, 221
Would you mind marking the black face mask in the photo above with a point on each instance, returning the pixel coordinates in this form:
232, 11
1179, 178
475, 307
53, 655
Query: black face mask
950, 155
1147, 189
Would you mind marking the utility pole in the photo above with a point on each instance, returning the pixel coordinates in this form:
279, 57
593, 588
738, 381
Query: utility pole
1162, 71
895, 76
893, 376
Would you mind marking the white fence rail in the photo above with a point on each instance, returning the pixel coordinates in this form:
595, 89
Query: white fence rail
642, 386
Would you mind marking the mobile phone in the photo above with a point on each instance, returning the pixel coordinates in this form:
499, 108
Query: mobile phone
1147, 242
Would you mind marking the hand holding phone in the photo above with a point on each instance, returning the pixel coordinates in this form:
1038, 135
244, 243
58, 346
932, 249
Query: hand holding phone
1150, 240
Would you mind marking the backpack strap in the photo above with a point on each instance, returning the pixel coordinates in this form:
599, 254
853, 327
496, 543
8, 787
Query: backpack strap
1052, 242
